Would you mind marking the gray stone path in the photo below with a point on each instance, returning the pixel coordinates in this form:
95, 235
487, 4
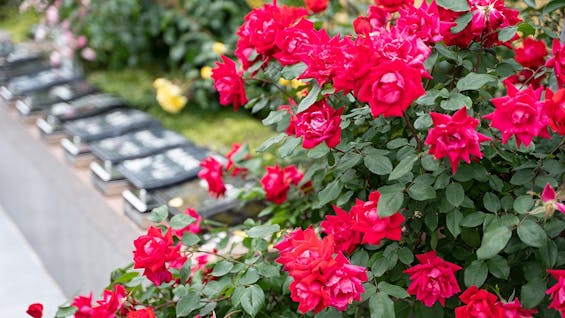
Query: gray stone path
23, 278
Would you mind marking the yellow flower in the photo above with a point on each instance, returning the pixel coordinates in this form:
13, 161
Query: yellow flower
169, 96
296, 83
206, 72
219, 48
255, 3
284, 82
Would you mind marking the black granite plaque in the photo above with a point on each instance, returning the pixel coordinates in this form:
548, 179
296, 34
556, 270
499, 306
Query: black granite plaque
171, 167
39, 102
85, 106
27, 84
109, 124
22, 69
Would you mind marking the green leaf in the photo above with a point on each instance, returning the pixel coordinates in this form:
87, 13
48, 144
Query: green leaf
473, 219
533, 293
455, 194
532, 234
381, 306
379, 165
526, 28
267, 270
404, 166
309, 100
474, 81
330, 192
454, 5
252, 299
462, 22
423, 122
159, 214
319, 151
292, 71
289, 146
553, 6
421, 192
389, 203
405, 256
274, 117
250, 277
523, 204
476, 274
222, 268
263, 231
66, 311
494, 241
187, 304
349, 160
392, 290
507, 33
271, 141
491, 202
452, 220
498, 267
456, 101
181, 221
190, 239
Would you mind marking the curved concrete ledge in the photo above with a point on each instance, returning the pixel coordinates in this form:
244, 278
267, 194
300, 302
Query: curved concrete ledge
80, 235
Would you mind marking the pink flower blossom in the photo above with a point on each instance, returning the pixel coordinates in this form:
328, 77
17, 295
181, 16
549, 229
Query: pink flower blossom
433, 279
340, 226
373, 227
455, 137
557, 62
228, 82
520, 114
557, 292
212, 172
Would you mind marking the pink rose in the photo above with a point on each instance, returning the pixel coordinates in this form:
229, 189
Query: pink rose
391, 88
557, 62
433, 279
88, 54
212, 172
423, 22
557, 292
319, 123
520, 114
346, 283
83, 305
52, 15
514, 309
340, 226
230, 165
455, 137
393, 5
229, 83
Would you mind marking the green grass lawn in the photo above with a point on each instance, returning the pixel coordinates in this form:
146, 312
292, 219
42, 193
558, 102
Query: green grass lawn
17, 24
216, 130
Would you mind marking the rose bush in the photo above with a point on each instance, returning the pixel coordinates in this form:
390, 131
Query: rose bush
419, 176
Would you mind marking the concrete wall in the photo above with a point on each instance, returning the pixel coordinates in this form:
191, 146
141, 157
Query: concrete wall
80, 235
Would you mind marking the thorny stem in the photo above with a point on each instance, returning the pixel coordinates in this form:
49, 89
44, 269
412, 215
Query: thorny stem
414, 133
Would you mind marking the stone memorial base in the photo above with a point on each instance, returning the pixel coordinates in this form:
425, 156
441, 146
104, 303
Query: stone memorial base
79, 234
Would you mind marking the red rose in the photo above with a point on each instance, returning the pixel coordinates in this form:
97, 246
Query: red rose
294, 42
514, 309
229, 83
324, 58
393, 5
390, 88
155, 252
447, 20
193, 227
455, 137
340, 226
557, 62
557, 292
555, 108
83, 305
260, 28
479, 303
320, 280
423, 22
526, 77
230, 165
520, 114
371, 225
319, 123
212, 172
433, 279
532, 53
489, 17
112, 301
142, 313
277, 181
35, 310
316, 5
